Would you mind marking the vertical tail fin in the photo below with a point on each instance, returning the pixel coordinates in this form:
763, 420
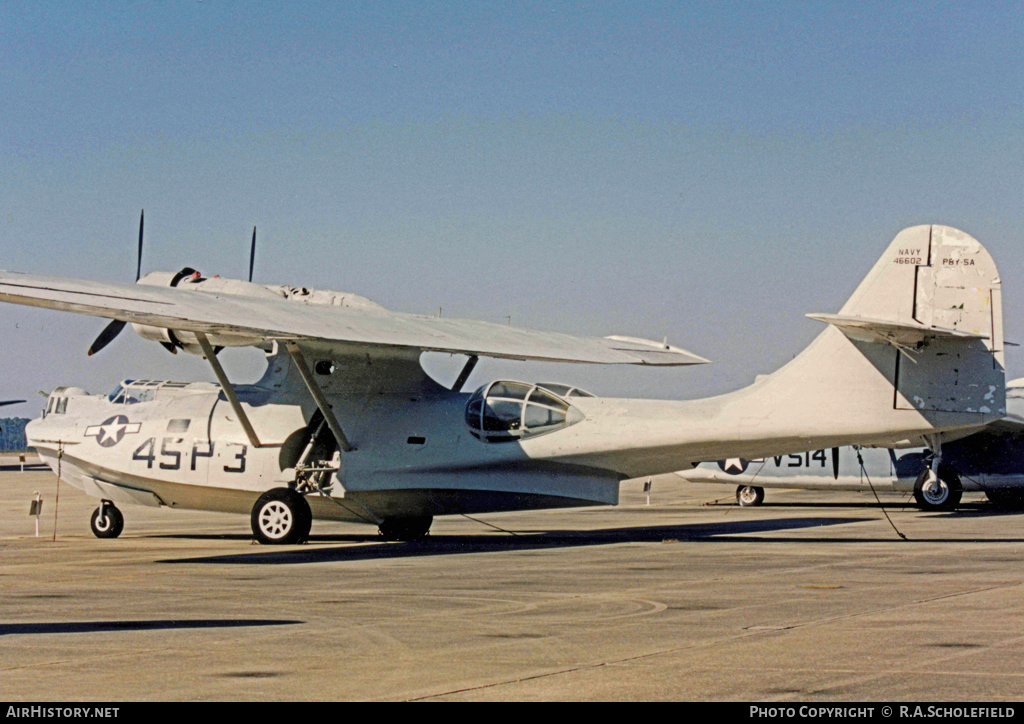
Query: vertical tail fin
935, 295
917, 349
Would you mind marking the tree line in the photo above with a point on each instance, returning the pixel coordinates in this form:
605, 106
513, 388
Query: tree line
12, 434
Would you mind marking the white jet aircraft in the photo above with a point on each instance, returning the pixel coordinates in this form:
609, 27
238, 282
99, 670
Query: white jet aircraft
346, 425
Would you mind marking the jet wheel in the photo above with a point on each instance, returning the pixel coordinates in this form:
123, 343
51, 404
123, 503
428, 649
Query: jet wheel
107, 521
943, 493
280, 517
410, 529
748, 495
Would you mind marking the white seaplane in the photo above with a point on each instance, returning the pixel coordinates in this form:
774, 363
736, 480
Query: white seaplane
346, 425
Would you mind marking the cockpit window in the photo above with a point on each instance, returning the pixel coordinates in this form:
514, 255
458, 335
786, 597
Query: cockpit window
506, 411
564, 390
131, 391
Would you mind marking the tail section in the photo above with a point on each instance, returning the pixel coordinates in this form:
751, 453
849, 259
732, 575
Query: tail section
914, 355
934, 298
915, 352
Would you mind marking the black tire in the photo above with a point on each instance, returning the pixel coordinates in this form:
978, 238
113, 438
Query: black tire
281, 517
945, 496
106, 521
1006, 497
749, 495
409, 529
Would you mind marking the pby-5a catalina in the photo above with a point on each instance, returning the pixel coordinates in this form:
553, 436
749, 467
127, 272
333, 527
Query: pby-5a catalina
989, 461
346, 425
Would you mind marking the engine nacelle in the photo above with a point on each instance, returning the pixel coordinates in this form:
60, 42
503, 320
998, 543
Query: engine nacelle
192, 280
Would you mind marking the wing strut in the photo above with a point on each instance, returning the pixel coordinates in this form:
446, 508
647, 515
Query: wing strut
229, 391
466, 372
318, 396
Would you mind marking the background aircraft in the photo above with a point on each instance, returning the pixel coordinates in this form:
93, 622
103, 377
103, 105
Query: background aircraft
345, 424
989, 461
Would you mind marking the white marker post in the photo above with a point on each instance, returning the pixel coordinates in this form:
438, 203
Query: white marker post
647, 489
35, 509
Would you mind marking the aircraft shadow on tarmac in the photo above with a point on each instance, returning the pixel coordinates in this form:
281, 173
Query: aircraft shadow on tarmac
74, 627
372, 547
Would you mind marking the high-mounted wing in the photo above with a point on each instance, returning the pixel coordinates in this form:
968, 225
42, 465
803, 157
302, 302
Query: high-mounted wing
237, 313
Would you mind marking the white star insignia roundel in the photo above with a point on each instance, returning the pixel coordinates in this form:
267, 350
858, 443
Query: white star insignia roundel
112, 430
733, 466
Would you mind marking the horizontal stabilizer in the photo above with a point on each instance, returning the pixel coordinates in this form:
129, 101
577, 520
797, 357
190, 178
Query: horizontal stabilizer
905, 333
935, 295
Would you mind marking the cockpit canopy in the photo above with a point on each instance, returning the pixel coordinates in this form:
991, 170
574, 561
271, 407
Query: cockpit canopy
564, 390
131, 391
504, 411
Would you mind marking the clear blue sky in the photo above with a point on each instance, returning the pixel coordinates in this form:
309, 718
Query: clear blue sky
705, 171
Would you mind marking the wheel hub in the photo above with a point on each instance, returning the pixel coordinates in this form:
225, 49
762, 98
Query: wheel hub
935, 492
275, 519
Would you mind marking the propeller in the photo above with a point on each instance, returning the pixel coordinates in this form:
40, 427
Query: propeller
252, 253
114, 328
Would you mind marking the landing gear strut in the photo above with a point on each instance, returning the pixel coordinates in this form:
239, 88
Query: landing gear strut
107, 521
281, 516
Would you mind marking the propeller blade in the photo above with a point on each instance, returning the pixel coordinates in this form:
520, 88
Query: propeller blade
114, 328
835, 463
107, 335
252, 253
138, 268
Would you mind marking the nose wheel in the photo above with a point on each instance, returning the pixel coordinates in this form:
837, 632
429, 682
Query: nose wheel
281, 516
107, 521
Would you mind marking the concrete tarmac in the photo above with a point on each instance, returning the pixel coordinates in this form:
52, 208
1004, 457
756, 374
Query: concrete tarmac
810, 597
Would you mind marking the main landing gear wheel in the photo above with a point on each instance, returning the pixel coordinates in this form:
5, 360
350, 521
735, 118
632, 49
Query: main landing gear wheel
940, 493
747, 495
410, 530
1012, 498
107, 521
281, 516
